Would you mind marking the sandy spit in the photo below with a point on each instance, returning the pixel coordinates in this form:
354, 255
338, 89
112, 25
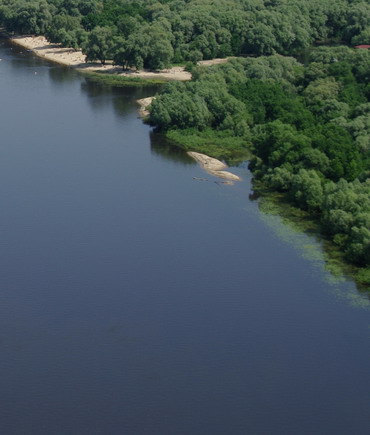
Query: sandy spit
213, 166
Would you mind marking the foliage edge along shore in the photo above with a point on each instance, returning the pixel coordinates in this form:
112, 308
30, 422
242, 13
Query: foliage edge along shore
306, 121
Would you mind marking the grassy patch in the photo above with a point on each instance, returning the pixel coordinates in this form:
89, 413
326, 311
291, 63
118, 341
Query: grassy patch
220, 145
117, 80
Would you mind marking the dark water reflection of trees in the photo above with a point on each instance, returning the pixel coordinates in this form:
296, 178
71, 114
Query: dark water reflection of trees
162, 146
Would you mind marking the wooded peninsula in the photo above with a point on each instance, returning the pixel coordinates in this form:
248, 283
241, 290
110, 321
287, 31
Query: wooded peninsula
295, 92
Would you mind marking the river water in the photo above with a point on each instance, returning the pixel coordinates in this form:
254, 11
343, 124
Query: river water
135, 299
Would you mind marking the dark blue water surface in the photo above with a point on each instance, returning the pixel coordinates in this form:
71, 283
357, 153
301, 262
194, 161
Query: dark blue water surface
137, 300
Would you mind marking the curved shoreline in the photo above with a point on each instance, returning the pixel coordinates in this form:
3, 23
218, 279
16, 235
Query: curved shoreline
76, 59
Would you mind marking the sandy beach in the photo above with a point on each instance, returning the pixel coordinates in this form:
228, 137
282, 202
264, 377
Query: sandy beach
53, 52
69, 57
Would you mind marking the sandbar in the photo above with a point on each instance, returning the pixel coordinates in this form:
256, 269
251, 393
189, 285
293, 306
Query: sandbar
213, 166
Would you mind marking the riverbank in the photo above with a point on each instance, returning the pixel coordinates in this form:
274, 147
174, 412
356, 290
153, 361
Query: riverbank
72, 58
76, 59
109, 73
300, 221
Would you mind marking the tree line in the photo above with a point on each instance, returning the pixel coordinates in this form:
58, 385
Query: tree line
157, 33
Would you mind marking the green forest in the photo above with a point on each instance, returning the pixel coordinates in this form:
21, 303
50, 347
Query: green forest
295, 94
155, 34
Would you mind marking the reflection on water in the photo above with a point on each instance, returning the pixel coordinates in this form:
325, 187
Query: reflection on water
162, 146
122, 98
60, 75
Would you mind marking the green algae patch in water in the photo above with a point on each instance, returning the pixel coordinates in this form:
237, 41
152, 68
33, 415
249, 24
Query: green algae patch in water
300, 230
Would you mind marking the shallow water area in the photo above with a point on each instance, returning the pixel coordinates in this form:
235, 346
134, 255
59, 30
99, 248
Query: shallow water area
136, 299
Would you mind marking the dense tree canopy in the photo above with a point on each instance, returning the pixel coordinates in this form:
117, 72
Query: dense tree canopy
156, 33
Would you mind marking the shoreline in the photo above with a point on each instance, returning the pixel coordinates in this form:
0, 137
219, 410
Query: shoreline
76, 59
